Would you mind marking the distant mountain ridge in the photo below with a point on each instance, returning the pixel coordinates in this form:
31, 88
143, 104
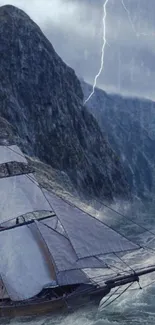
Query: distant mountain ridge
129, 124
41, 102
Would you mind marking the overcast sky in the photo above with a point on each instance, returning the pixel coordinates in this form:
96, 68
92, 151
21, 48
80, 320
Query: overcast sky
74, 27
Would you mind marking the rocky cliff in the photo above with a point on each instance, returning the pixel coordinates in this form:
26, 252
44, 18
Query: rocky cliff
42, 99
130, 127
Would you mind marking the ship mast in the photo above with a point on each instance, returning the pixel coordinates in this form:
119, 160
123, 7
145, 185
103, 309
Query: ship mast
130, 278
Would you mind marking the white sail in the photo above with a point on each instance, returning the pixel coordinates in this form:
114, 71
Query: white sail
62, 251
24, 266
89, 236
72, 277
11, 153
20, 195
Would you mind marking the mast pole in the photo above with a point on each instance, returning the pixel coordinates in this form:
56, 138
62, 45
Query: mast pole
125, 279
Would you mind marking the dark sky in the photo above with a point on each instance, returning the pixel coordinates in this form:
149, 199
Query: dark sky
74, 27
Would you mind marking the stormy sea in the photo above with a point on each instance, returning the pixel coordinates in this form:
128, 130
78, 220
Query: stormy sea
137, 304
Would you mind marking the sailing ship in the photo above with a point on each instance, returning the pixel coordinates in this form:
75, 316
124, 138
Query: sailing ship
47, 245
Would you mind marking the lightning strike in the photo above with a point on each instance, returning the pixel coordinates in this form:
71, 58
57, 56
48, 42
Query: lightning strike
103, 51
129, 17
131, 22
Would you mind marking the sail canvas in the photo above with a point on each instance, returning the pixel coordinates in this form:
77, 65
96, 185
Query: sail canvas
20, 195
24, 267
89, 236
11, 153
62, 252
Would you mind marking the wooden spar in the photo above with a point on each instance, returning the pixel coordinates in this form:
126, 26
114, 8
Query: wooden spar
124, 279
25, 222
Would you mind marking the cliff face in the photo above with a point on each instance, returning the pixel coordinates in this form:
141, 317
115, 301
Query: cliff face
42, 99
130, 126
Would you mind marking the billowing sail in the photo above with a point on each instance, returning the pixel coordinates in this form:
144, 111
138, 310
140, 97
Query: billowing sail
11, 153
20, 195
24, 267
62, 251
19, 190
89, 236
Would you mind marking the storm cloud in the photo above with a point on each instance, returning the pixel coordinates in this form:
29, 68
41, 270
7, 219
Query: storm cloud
75, 30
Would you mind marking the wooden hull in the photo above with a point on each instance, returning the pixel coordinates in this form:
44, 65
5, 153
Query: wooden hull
39, 308
32, 309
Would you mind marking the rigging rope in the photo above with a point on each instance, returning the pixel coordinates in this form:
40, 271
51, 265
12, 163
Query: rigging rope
124, 263
117, 296
110, 296
117, 268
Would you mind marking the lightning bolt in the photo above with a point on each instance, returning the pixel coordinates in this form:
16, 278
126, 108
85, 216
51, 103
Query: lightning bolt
103, 51
131, 22
105, 42
129, 17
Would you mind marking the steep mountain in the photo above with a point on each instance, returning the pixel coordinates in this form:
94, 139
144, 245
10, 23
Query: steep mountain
130, 126
41, 98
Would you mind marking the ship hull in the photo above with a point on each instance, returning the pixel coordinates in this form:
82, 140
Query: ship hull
32, 309
68, 304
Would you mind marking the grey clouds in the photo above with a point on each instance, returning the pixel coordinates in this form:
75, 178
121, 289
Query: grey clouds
74, 28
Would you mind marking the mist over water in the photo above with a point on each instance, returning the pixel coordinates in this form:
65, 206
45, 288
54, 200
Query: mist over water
135, 306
